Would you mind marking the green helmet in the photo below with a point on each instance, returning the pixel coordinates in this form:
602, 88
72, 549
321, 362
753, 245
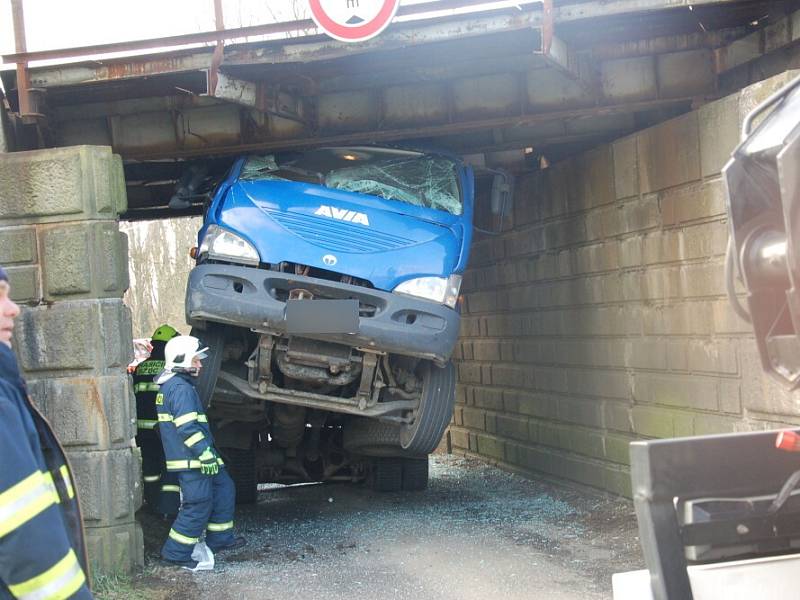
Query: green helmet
164, 333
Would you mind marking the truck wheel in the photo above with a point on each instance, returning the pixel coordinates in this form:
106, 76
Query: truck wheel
415, 474
435, 410
241, 466
387, 474
370, 437
214, 338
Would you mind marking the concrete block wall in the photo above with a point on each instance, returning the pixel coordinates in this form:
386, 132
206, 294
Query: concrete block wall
68, 265
600, 316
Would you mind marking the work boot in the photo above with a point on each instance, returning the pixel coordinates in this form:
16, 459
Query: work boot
190, 564
238, 542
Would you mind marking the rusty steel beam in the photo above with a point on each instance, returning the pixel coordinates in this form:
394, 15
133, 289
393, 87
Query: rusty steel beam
20, 45
553, 49
562, 14
407, 133
293, 50
229, 34
130, 68
547, 26
219, 49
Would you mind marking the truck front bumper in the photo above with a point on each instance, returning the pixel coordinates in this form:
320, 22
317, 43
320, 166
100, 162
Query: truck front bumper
253, 298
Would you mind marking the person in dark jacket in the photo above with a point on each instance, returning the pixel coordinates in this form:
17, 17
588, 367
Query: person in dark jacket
208, 494
161, 490
42, 549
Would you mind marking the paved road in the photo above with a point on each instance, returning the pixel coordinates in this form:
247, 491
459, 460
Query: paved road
476, 533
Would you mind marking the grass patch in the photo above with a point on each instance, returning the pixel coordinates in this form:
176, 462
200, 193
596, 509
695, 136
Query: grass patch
115, 586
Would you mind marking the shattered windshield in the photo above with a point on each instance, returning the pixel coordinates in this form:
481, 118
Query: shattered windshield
411, 177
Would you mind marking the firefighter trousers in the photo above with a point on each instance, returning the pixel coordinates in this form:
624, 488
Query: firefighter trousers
162, 493
207, 505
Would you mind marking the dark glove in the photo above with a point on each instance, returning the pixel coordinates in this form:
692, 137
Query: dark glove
208, 462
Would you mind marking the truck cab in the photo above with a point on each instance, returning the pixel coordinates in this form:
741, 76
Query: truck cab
327, 286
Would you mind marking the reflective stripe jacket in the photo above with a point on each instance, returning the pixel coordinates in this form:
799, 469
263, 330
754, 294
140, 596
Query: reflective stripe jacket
182, 424
42, 551
145, 389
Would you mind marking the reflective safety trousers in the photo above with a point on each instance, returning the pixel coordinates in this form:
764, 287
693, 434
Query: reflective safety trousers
42, 550
182, 425
208, 505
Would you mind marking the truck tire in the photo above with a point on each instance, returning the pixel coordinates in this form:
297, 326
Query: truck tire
213, 337
415, 474
370, 437
435, 411
241, 466
387, 474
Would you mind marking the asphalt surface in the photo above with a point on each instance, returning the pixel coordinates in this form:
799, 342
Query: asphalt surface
477, 532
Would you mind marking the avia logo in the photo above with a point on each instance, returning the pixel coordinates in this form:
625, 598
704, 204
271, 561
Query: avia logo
330, 260
342, 214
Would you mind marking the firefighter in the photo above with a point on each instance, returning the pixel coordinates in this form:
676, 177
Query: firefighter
42, 550
208, 494
161, 491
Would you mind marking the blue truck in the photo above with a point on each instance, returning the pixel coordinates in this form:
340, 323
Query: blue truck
327, 287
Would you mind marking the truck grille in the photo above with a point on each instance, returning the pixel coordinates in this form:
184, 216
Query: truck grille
338, 235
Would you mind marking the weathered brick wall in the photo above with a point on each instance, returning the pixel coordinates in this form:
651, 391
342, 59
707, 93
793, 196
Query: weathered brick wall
67, 261
600, 317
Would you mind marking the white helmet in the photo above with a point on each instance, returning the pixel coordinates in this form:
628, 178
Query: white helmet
178, 355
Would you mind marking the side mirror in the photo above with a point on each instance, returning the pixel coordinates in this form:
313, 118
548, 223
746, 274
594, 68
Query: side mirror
502, 199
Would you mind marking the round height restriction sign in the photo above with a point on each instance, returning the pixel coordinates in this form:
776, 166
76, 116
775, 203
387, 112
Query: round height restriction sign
353, 20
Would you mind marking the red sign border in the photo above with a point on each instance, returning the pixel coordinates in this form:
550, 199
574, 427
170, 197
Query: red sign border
354, 34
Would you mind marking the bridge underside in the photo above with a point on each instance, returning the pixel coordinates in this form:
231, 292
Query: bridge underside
504, 87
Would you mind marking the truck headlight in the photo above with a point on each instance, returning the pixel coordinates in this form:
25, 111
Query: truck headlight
222, 244
443, 290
